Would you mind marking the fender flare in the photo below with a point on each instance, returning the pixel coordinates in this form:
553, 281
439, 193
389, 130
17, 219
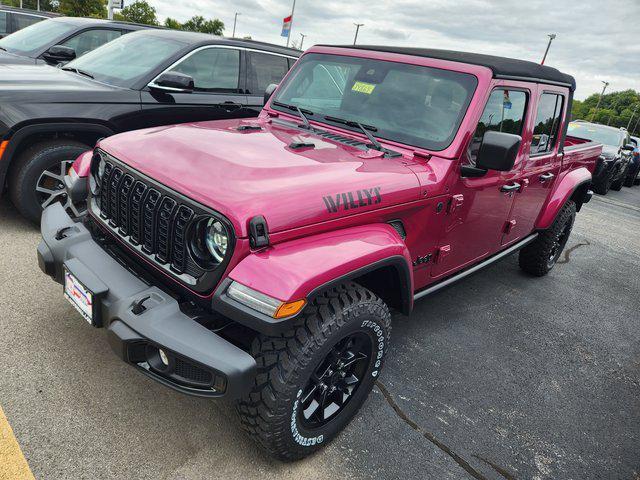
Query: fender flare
564, 189
16, 139
303, 268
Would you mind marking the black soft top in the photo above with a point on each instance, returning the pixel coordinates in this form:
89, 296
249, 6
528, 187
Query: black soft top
502, 67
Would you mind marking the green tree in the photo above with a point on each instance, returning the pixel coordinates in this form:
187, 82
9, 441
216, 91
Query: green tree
172, 23
46, 5
139, 12
199, 24
616, 109
83, 8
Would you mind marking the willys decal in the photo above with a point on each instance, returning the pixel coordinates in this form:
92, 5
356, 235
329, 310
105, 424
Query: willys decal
352, 200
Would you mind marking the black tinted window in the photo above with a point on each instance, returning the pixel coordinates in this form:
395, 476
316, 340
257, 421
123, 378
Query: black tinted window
504, 112
3, 23
90, 40
22, 21
213, 69
265, 69
545, 131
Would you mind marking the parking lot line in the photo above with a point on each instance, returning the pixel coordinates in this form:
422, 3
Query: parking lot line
13, 465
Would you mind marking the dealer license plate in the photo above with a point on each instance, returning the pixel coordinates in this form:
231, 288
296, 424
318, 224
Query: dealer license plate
79, 296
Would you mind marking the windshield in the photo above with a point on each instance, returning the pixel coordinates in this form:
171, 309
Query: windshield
127, 59
410, 104
32, 39
589, 131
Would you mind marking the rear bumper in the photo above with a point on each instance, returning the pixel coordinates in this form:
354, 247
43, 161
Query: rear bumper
200, 362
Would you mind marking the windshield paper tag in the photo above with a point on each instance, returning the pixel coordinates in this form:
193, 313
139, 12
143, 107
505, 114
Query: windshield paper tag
363, 87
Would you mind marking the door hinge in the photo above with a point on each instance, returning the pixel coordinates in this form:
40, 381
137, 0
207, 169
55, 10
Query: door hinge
455, 203
422, 260
508, 226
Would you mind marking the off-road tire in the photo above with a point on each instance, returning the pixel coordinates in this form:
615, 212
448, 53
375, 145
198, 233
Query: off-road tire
617, 185
28, 168
631, 178
602, 187
535, 258
269, 413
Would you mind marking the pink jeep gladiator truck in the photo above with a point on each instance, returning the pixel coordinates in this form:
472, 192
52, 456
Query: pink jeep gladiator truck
258, 260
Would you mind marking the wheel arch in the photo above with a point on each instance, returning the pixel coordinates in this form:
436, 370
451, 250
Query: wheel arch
87, 133
575, 186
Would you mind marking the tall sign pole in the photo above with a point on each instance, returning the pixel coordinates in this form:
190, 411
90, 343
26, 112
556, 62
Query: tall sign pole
235, 20
110, 10
606, 84
358, 25
293, 11
632, 115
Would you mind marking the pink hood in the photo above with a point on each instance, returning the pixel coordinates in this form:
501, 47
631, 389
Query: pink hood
242, 174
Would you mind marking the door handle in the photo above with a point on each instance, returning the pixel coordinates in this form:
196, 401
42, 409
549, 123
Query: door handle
510, 188
546, 176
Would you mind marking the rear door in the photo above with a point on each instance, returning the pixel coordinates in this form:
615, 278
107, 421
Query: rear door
218, 79
541, 164
479, 208
263, 69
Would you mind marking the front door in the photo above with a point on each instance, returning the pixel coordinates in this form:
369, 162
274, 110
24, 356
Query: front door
541, 168
217, 77
480, 207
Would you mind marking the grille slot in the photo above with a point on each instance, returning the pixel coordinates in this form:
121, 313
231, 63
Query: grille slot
135, 205
165, 216
125, 191
148, 220
179, 247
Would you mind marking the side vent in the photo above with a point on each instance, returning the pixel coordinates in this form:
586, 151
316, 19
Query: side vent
399, 227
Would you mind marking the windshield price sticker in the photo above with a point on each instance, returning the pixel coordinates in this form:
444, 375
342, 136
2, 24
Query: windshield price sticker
362, 87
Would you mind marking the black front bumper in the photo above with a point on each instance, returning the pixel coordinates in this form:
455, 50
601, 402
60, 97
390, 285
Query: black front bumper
200, 362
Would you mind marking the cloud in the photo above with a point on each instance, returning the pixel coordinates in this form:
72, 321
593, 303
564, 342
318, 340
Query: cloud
596, 39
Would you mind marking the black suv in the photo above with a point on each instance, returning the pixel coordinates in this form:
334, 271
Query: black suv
14, 19
60, 40
615, 161
48, 116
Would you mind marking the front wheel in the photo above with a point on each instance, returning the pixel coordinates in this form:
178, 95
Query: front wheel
314, 378
617, 185
37, 179
540, 256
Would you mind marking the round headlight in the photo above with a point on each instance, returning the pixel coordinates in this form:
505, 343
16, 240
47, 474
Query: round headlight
95, 179
209, 242
101, 167
216, 239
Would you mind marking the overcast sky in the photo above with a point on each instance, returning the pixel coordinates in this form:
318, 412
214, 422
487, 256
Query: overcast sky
597, 39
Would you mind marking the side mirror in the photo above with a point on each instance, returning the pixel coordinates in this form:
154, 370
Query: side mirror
498, 151
269, 91
629, 147
174, 82
59, 54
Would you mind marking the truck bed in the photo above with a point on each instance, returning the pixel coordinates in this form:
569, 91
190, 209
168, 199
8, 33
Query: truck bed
581, 152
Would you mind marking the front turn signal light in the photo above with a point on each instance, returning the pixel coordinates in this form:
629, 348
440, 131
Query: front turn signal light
290, 308
3, 147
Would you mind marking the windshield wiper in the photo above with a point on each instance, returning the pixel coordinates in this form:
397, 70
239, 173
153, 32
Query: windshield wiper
78, 71
298, 110
365, 129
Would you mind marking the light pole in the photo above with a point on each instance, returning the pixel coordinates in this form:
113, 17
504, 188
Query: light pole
302, 40
358, 25
632, 115
551, 36
235, 21
606, 84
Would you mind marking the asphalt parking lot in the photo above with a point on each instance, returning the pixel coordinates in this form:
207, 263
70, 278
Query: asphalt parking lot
501, 376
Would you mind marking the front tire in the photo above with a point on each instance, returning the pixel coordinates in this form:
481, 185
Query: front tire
617, 185
37, 178
314, 378
541, 255
602, 187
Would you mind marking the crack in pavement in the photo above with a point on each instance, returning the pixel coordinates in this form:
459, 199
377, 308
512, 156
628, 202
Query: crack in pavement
501, 470
428, 435
567, 252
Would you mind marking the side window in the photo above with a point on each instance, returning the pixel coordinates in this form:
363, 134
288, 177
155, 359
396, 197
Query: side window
212, 69
545, 130
4, 23
90, 40
504, 112
263, 70
22, 21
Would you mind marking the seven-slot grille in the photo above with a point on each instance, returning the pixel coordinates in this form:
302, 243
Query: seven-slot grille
151, 219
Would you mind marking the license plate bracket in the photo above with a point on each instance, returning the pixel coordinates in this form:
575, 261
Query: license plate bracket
83, 291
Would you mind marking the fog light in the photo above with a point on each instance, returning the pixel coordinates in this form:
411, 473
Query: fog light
163, 357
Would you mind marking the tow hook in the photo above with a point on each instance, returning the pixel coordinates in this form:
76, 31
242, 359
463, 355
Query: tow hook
138, 307
62, 233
